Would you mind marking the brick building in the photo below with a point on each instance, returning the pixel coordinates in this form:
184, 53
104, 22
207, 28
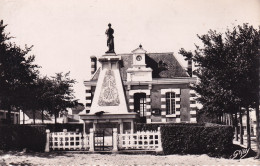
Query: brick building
138, 87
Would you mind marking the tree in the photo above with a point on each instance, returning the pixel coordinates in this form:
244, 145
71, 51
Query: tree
257, 111
227, 70
40, 96
22, 88
61, 94
17, 73
53, 94
44, 93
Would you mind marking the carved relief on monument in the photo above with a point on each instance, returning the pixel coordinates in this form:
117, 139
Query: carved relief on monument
109, 93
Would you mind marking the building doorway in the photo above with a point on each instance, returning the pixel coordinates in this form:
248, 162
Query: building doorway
140, 106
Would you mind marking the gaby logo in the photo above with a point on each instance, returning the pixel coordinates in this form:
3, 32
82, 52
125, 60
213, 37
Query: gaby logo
240, 154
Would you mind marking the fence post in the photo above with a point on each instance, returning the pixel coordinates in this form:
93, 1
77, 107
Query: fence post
115, 139
91, 140
159, 149
47, 145
85, 140
63, 139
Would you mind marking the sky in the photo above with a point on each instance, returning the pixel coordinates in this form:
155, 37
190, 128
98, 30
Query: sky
65, 33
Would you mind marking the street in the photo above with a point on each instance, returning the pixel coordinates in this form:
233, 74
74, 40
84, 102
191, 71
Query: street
117, 159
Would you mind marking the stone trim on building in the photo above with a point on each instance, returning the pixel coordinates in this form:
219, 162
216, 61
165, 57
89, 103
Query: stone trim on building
177, 105
193, 106
88, 100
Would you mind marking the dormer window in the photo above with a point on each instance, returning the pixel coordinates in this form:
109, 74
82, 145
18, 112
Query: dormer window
139, 71
139, 57
162, 65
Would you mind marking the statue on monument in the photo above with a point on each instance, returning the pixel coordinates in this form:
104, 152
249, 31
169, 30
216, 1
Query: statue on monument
110, 39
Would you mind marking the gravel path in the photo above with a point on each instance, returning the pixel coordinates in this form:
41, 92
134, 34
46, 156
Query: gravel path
118, 159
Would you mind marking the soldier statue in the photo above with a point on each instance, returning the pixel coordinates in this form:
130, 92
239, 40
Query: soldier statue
110, 39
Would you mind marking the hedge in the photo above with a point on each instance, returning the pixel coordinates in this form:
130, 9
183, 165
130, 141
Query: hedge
31, 137
154, 127
18, 137
185, 139
60, 126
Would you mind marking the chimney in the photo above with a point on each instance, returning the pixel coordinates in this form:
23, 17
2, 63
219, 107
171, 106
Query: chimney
189, 69
93, 64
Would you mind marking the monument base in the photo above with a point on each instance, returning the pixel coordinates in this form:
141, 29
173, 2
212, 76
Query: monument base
110, 54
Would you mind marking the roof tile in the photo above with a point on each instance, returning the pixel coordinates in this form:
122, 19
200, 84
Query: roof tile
164, 65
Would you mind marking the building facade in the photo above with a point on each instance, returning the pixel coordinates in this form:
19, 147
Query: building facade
144, 88
14, 117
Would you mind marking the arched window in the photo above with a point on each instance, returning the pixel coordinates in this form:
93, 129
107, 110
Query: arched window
170, 103
140, 104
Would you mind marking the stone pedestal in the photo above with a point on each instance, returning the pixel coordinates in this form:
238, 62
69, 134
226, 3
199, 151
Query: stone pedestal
115, 149
47, 145
109, 97
109, 101
91, 140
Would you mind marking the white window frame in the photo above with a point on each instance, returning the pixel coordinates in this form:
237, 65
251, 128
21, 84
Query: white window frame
171, 111
143, 107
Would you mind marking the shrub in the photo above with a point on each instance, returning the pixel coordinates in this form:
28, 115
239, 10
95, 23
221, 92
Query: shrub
18, 137
188, 139
147, 127
152, 127
60, 126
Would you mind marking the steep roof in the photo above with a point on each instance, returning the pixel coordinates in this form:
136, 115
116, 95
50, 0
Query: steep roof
96, 74
164, 65
78, 108
38, 115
